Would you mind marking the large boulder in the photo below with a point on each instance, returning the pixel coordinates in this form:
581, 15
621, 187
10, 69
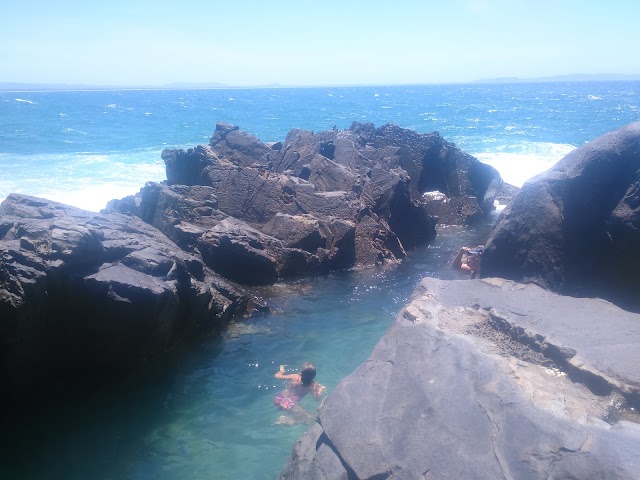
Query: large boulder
87, 291
331, 238
576, 227
486, 379
246, 255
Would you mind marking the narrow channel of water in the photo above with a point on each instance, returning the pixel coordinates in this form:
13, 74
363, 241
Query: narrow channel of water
206, 412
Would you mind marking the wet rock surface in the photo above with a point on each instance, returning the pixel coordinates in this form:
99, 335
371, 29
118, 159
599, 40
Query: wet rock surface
486, 379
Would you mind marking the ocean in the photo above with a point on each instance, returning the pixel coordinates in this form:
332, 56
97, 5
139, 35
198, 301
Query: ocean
85, 148
205, 411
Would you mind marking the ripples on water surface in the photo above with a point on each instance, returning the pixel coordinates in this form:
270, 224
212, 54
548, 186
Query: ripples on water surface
206, 412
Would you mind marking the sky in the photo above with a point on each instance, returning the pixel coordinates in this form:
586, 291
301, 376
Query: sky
329, 42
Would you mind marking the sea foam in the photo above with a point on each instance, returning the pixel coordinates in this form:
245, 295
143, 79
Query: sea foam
82, 180
518, 164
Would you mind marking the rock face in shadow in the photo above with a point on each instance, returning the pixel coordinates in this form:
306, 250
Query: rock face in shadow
486, 379
576, 228
81, 291
350, 198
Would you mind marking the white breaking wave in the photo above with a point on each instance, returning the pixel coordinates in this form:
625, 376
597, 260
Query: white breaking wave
83, 180
30, 102
93, 198
517, 164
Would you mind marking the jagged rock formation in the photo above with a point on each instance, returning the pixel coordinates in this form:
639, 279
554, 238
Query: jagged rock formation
576, 228
486, 379
81, 291
313, 203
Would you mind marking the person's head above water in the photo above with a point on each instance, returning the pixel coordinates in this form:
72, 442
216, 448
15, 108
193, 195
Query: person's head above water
308, 373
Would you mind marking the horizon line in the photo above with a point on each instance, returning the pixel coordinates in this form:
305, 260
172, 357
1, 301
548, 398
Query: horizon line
20, 87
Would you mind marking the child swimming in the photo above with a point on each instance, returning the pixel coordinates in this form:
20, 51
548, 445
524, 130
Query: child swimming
299, 385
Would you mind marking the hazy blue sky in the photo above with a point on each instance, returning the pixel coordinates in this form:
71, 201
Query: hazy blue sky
251, 42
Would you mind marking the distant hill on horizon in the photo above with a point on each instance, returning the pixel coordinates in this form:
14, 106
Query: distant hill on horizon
29, 87
577, 77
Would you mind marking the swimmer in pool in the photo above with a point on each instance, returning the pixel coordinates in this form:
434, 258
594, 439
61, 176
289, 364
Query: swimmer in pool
468, 260
299, 385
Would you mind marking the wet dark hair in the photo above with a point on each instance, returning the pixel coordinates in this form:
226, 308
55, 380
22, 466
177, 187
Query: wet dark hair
308, 373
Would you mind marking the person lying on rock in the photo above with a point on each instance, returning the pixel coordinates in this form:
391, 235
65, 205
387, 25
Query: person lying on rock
299, 385
468, 260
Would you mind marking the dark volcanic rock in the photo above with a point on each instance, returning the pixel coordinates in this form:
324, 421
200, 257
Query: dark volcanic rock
328, 176
183, 213
247, 255
575, 228
332, 239
477, 379
239, 147
81, 290
375, 242
369, 180
300, 231
185, 167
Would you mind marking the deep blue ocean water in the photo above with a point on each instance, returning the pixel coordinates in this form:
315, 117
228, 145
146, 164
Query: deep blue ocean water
205, 411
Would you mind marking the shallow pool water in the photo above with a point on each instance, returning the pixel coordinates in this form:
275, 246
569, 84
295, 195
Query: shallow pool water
206, 411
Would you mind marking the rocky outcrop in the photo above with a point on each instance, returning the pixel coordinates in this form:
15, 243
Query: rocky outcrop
81, 291
358, 194
576, 228
486, 379
247, 255
240, 148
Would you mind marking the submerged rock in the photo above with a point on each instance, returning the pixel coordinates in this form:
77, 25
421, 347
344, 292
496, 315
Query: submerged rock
486, 379
357, 194
576, 228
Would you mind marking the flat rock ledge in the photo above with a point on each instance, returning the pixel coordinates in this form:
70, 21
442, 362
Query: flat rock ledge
486, 379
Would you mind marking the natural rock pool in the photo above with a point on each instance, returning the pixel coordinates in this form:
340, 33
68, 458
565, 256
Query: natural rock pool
206, 410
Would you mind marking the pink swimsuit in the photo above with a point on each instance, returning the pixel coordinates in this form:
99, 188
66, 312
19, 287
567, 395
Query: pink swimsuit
290, 396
